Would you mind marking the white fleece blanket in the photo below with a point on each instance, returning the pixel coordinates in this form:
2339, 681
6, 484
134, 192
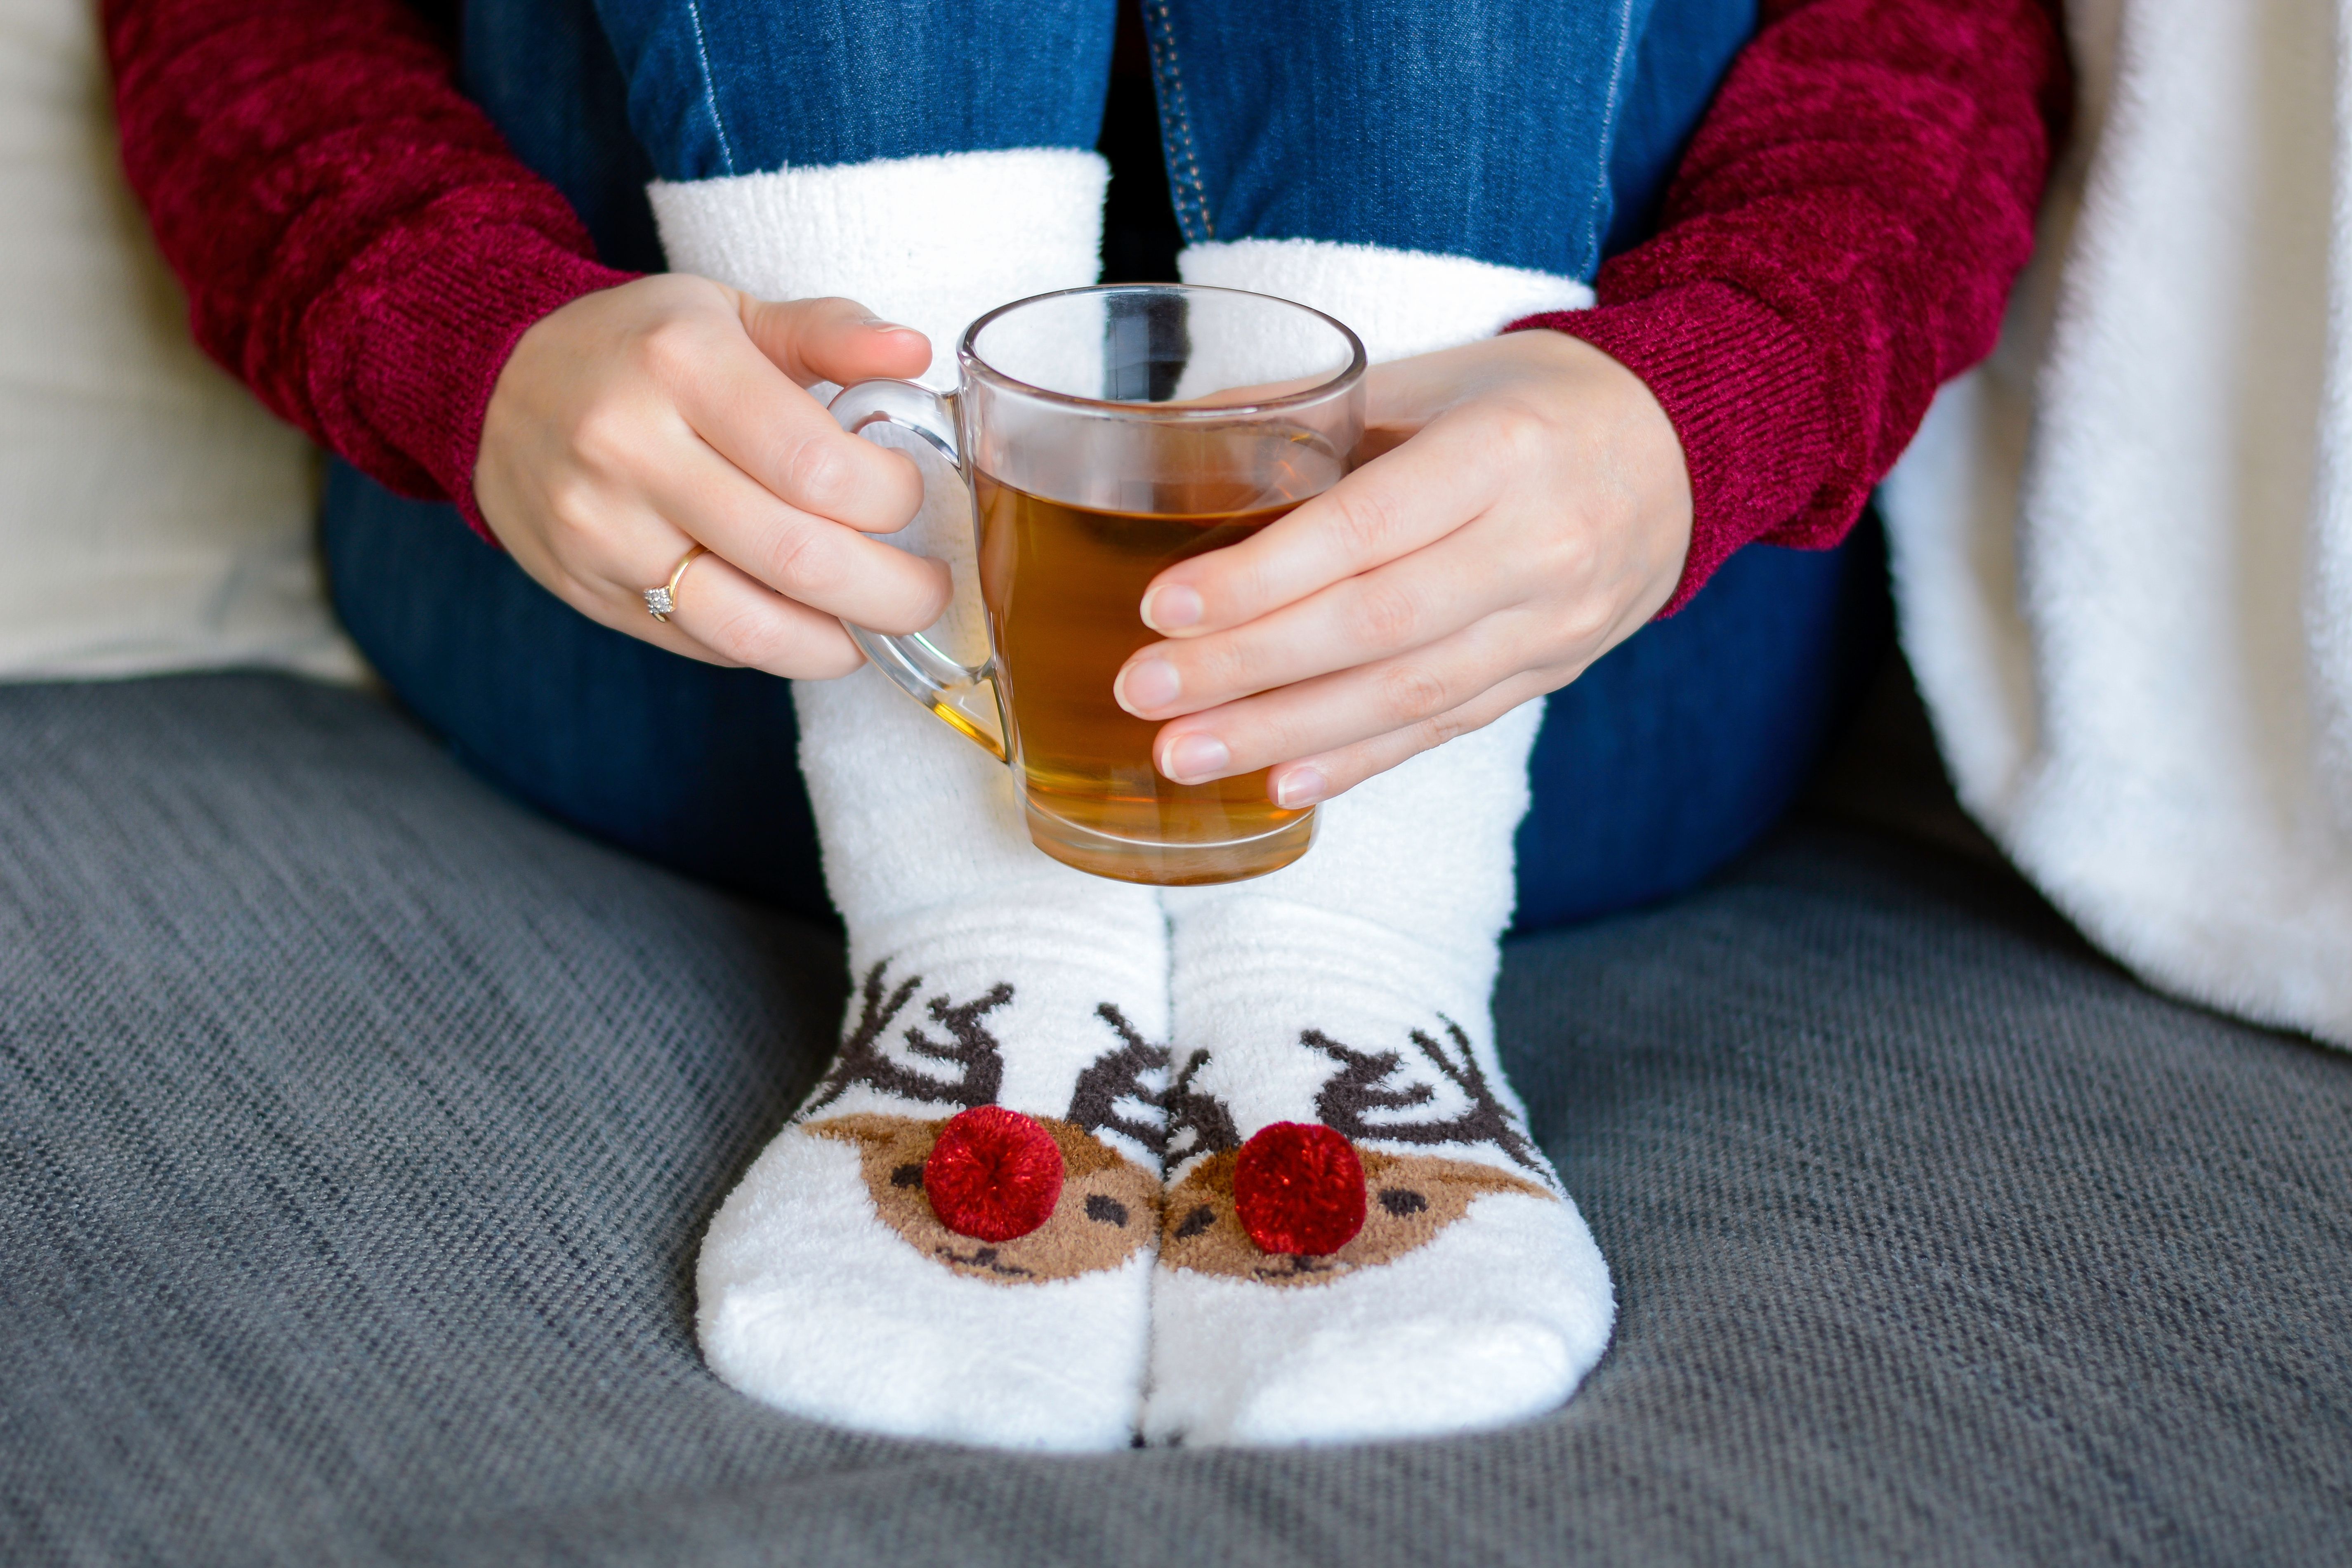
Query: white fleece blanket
2123, 548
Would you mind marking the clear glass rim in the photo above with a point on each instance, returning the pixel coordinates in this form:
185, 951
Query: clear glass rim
972, 365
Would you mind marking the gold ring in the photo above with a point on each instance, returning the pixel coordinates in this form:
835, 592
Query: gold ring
661, 601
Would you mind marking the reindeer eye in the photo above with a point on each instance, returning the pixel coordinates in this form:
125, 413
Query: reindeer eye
1199, 1220
908, 1175
1401, 1202
1111, 1211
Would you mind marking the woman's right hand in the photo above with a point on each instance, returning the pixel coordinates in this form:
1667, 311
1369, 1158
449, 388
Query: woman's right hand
637, 421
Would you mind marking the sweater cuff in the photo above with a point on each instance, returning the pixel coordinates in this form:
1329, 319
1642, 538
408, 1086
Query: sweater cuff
1743, 390
442, 314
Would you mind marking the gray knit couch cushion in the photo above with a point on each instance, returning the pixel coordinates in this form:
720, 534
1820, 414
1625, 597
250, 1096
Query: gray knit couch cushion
358, 1128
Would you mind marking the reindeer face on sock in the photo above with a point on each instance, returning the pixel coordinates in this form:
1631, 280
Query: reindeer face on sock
1303, 1206
992, 1194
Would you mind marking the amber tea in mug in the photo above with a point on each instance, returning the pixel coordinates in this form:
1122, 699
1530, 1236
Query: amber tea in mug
1062, 600
1106, 434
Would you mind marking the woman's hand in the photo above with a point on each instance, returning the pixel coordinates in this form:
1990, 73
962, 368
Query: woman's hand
638, 422
1529, 510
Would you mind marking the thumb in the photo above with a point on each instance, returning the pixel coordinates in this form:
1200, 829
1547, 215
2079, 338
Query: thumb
833, 340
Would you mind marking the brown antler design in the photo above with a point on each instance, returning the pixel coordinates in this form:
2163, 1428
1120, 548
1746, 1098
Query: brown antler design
1357, 1088
1198, 1122
863, 1060
1121, 1074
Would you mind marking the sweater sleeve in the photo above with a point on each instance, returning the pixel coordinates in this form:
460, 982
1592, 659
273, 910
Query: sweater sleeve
357, 243
1839, 239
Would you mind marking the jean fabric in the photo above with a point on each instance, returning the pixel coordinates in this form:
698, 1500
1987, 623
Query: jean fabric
545, 73
736, 87
1665, 759
1479, 128
1384, 124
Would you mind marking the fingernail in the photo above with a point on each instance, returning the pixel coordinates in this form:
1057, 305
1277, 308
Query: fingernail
879, 325
1172, 609
1195, 759
1146, 684
1300, 788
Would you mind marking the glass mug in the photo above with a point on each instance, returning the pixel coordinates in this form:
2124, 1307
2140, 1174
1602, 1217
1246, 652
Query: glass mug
1106, 434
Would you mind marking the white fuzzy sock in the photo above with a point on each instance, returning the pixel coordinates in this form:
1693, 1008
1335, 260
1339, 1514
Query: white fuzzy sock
865, 1271
1348, 996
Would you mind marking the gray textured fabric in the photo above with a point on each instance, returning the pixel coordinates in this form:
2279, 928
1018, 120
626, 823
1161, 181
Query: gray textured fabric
359, 1127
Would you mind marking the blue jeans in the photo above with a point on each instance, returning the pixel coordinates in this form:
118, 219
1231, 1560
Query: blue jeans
1498, 131
1382, 122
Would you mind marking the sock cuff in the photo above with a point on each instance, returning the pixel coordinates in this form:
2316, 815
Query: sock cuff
930, 242
1400, 302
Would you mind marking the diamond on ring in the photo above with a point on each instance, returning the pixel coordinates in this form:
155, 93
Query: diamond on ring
661, 601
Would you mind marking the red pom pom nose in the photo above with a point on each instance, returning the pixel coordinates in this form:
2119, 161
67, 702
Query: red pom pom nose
1299, 1188
994, 1174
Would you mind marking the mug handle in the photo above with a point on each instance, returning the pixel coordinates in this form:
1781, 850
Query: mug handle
949, 688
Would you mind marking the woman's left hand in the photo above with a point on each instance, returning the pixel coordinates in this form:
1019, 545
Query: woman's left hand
1531, 511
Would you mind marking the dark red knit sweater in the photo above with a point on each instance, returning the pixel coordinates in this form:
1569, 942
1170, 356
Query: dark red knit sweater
360, 248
